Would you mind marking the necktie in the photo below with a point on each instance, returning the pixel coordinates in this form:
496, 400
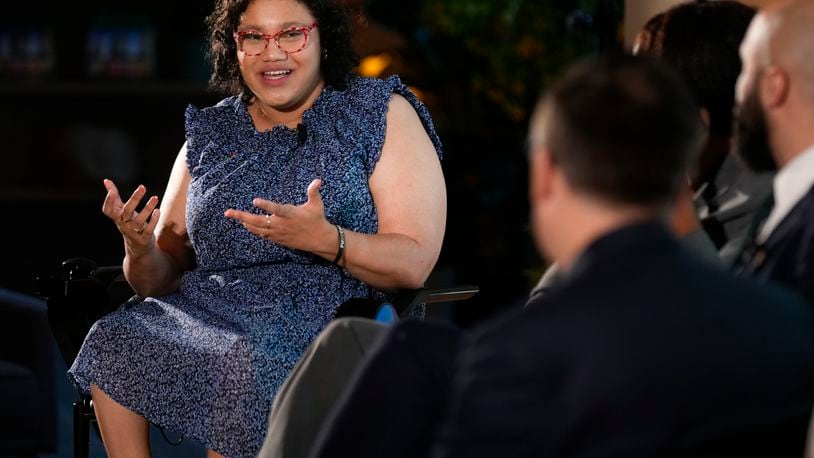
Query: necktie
753, 253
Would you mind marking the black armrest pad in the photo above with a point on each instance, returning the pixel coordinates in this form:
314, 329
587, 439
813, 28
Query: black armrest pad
406, 300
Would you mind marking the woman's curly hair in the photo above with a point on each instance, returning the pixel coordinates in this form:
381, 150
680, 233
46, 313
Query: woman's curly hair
701, 40
338, 59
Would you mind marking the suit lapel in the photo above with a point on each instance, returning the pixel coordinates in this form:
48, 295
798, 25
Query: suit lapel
800, 215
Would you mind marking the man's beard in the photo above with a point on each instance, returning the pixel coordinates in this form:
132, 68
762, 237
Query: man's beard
751, 143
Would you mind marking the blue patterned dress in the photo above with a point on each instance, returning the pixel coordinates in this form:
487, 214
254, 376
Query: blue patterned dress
207, 360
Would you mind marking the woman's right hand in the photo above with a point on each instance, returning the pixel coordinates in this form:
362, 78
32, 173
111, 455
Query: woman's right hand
137, 227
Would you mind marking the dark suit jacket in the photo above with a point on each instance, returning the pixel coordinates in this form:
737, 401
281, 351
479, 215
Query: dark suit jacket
788, 253
644, 351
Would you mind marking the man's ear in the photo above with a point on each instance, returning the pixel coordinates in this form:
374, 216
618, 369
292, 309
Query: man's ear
542, 171
774, 87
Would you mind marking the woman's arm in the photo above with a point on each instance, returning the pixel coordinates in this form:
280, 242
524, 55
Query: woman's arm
156, 243
410, 196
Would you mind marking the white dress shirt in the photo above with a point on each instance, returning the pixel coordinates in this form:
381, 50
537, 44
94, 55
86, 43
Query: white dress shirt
791, 183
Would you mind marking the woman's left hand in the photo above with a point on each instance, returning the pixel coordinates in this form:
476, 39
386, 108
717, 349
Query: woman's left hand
302, 227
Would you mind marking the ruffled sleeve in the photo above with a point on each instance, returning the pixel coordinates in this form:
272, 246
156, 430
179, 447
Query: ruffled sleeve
423, 113
203, 128
361, 116
194, 138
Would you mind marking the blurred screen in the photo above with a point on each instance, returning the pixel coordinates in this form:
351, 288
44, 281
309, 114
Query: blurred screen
26, 52
121, 51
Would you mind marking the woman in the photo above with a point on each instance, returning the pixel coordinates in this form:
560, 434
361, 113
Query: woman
308, 188
702, 41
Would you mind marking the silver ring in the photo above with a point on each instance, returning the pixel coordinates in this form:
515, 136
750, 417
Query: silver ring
121, 218
139, 230
268, 221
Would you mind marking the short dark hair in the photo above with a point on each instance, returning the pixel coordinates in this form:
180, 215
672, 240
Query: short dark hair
701, 39
623, 129
334, 32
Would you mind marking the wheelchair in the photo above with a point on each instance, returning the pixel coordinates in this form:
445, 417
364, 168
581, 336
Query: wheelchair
81, 292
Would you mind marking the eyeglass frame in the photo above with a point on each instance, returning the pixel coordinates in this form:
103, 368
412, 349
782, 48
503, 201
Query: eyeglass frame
305, 29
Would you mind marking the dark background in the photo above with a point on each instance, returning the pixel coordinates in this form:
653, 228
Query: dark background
73, 114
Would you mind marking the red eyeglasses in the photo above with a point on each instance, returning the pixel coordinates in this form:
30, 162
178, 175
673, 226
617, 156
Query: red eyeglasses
294, 39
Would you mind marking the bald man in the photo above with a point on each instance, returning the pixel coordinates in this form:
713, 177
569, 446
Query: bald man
774, 129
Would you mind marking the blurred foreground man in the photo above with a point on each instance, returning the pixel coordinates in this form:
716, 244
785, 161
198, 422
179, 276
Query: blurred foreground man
643, 350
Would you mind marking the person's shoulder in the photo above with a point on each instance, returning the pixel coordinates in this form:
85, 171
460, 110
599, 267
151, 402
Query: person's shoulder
364, 104
203, 125
511, 342
227, 105
367, 90
200, 121
778, 297
751, 300
357, 83
513, 326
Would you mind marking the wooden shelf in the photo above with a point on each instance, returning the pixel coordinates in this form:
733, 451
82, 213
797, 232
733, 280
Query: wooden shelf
52, 196
105, 87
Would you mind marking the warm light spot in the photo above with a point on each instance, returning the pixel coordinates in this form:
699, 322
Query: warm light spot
374, 65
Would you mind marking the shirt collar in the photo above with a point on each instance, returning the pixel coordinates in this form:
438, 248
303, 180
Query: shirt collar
791, 184
795, 179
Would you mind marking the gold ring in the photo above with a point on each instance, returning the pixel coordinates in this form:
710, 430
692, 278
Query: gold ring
121, 218
139, 230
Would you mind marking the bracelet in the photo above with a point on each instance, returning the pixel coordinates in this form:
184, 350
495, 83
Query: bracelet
341, 250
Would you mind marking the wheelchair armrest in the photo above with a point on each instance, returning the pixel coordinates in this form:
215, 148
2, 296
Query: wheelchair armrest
84, 287
77, 295
405, 301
